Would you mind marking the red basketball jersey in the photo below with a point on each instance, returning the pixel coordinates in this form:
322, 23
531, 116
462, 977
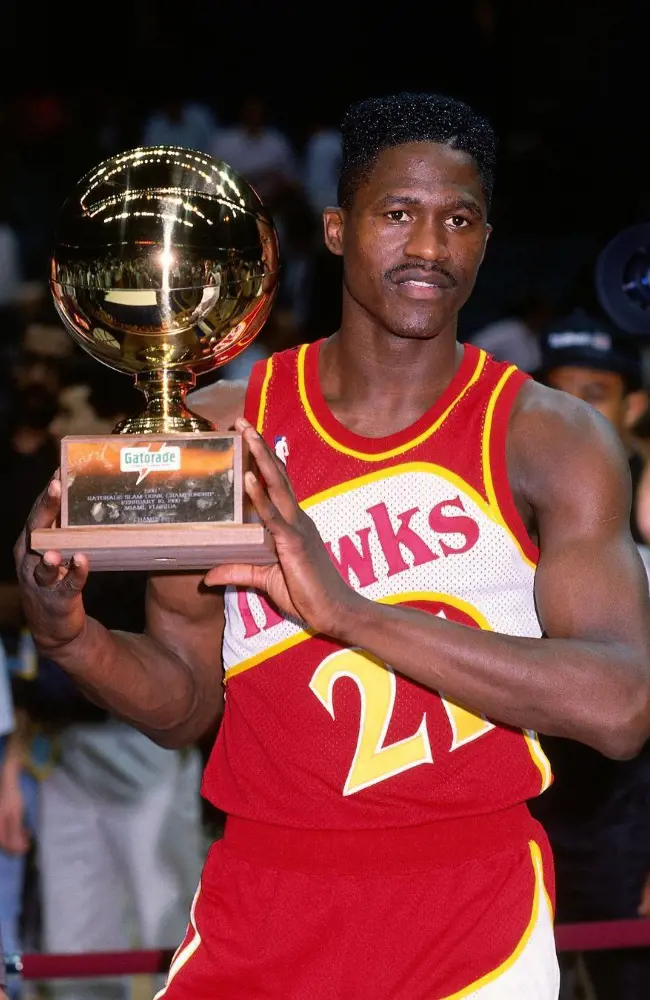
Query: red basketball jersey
321, 736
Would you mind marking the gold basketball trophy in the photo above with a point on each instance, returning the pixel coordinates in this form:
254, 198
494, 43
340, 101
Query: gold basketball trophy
165, 267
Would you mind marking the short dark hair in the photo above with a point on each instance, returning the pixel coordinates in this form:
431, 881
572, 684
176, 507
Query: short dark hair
378, 123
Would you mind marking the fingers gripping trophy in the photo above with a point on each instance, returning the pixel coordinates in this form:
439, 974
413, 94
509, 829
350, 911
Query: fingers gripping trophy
165, 267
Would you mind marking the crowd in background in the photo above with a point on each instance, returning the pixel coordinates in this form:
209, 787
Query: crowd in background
102, 834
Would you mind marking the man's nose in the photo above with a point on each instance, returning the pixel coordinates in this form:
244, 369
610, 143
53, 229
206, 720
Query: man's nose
428, 241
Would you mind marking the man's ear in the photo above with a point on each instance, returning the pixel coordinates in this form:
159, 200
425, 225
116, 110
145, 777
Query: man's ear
333, 226
488, 233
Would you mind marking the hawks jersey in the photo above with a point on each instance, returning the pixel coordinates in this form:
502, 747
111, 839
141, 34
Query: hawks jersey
322, 736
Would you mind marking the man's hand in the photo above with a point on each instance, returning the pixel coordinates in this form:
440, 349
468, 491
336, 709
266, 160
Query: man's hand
50, 591
303, 583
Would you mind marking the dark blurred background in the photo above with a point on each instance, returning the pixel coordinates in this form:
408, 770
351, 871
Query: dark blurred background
564, 83
265, 86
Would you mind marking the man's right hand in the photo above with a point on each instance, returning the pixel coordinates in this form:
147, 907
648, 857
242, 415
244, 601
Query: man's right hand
50, 591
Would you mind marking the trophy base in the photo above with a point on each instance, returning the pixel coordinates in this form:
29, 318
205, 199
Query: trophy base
156, 502
158, 547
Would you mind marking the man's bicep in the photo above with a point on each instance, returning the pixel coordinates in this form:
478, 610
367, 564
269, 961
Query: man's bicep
590, 582
593, 589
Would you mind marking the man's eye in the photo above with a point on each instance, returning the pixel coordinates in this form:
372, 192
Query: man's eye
458, 221
397, 215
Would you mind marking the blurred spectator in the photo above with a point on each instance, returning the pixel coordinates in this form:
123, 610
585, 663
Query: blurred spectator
278, 334
322, 160
260, 153
119, 837
119, 847
10, 266
180, 123
44, 352
588, 358
7, 723
44, 135
28, 457
7, 720
95, 401
298, 238
515, 337
18, 821
597, 813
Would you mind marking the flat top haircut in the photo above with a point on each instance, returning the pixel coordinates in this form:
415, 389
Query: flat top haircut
378, 123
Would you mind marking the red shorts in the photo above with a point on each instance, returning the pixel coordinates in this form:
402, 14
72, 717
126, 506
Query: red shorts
375, 915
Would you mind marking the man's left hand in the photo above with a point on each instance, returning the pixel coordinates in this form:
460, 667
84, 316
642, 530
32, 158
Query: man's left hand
304, 583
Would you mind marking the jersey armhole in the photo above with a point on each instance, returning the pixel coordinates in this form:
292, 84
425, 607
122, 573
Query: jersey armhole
256, 393
495, 467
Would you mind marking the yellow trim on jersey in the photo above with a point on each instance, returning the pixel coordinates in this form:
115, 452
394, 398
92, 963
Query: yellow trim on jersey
454, 602
487, 436
539, 895
261, 412
185, 952
275, 650
397, 470
393, 452
304, 634
487, 468
540, 759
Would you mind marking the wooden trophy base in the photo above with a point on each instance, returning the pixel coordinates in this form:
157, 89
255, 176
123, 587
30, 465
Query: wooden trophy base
148, 502
190, 546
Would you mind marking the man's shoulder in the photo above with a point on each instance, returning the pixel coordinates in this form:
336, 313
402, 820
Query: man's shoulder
554, 418
558, 444
221, 402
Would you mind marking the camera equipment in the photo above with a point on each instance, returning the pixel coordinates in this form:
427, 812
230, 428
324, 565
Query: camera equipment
623, 280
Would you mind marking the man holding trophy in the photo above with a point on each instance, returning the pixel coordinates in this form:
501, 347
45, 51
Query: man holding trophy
393, 610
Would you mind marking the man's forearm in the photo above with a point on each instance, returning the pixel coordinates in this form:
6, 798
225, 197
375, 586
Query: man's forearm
135, 678
594, 692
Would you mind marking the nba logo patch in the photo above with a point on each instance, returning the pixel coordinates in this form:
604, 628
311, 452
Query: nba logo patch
281, 448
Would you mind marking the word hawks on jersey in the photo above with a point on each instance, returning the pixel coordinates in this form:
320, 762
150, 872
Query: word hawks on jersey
281, 447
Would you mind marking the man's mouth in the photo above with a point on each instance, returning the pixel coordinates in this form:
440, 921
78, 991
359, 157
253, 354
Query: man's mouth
423, 284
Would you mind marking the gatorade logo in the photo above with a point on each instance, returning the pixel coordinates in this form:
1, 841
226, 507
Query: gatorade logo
143, 460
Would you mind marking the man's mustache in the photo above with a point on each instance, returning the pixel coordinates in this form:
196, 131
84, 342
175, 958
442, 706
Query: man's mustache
422, 265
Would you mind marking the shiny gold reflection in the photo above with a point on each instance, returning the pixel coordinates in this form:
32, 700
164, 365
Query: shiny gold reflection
165, 265
164, 258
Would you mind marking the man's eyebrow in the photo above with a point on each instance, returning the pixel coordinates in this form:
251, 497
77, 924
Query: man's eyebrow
399, 199
467, 204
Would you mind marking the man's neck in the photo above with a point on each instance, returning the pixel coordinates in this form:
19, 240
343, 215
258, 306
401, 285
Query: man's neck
377, 383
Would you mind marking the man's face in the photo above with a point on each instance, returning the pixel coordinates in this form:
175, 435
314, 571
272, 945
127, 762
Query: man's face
603, 390
413, 238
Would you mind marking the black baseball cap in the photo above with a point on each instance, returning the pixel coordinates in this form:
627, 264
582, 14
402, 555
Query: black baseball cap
583, 341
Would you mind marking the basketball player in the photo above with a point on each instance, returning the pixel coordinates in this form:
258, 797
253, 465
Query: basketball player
385, 679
